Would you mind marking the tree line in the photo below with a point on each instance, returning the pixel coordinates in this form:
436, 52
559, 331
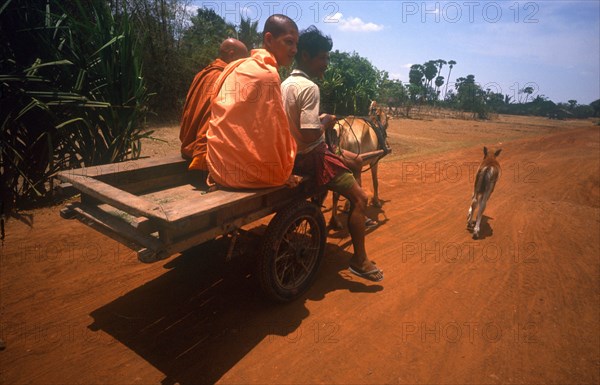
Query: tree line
428, 86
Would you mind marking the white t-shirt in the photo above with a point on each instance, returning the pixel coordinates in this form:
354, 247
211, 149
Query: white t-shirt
301, 99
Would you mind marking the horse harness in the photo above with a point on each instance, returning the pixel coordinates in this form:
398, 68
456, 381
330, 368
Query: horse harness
333, 142
375, 124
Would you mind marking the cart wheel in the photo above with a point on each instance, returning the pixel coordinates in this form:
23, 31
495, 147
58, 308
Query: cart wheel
292, 251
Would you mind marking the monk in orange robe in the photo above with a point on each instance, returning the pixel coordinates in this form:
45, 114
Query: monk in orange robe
249, 141
196, 112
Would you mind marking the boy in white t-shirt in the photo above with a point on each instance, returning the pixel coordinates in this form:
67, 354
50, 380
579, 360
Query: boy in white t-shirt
301, 99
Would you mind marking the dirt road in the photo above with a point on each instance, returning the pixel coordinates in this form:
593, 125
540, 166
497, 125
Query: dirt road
520, 305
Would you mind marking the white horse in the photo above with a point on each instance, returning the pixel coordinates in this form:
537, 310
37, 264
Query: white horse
485, 181
360, 144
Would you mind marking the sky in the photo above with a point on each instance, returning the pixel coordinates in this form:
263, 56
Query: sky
550, 45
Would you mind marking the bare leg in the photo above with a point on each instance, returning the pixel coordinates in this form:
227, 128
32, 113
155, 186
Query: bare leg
334, 222
356, 226
354, 163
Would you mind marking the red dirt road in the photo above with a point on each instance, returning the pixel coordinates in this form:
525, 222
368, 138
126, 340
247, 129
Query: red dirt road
520, 305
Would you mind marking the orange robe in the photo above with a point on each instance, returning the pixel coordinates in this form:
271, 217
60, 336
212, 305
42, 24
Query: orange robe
196, 114
249, 141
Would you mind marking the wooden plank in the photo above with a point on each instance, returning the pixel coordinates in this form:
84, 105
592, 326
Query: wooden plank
116, 229
152, 184
231, 224
89, 200
174, 194
144, 225
191, 225
66, 190
226, 219
220, 200
192, 240
196, 202
126, 166
147, 178
139, 176
118, 198
216, 200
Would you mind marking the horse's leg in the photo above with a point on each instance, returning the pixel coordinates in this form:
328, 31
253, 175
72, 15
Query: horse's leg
483, 202
334, 222
376, 201
471, 210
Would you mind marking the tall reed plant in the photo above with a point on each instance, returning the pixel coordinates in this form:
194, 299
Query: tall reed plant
72, 92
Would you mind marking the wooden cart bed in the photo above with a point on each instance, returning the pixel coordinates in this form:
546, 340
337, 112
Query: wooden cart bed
158, 208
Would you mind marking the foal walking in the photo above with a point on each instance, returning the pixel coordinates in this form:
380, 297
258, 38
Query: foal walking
487, 176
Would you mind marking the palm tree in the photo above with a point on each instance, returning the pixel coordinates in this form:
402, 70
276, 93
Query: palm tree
451, 64
572, 104
430, 71
527, 91
440, 63
248, 33
416, 75
439, 81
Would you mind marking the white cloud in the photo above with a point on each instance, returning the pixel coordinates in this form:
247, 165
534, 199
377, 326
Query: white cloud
354, 24
192, 9
251, 12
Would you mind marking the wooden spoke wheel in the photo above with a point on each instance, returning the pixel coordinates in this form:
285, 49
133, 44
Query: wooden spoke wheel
292, 251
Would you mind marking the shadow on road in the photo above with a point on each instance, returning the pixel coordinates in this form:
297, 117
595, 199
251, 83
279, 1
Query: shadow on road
485, 230
196, 321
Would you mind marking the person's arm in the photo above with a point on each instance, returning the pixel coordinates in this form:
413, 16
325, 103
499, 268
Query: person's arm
313, 134
312, 125
327, 121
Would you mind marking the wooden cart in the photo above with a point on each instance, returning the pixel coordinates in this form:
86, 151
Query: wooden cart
158, 208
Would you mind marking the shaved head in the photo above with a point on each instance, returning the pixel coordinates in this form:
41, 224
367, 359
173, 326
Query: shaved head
280, 38
278, 24
232, 49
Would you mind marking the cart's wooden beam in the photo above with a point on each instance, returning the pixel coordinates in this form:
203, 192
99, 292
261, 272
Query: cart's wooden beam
224, 199
195, 239
116, 228
125, 167
136, 176
368, 155
116, 197
216, 200
144, 225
